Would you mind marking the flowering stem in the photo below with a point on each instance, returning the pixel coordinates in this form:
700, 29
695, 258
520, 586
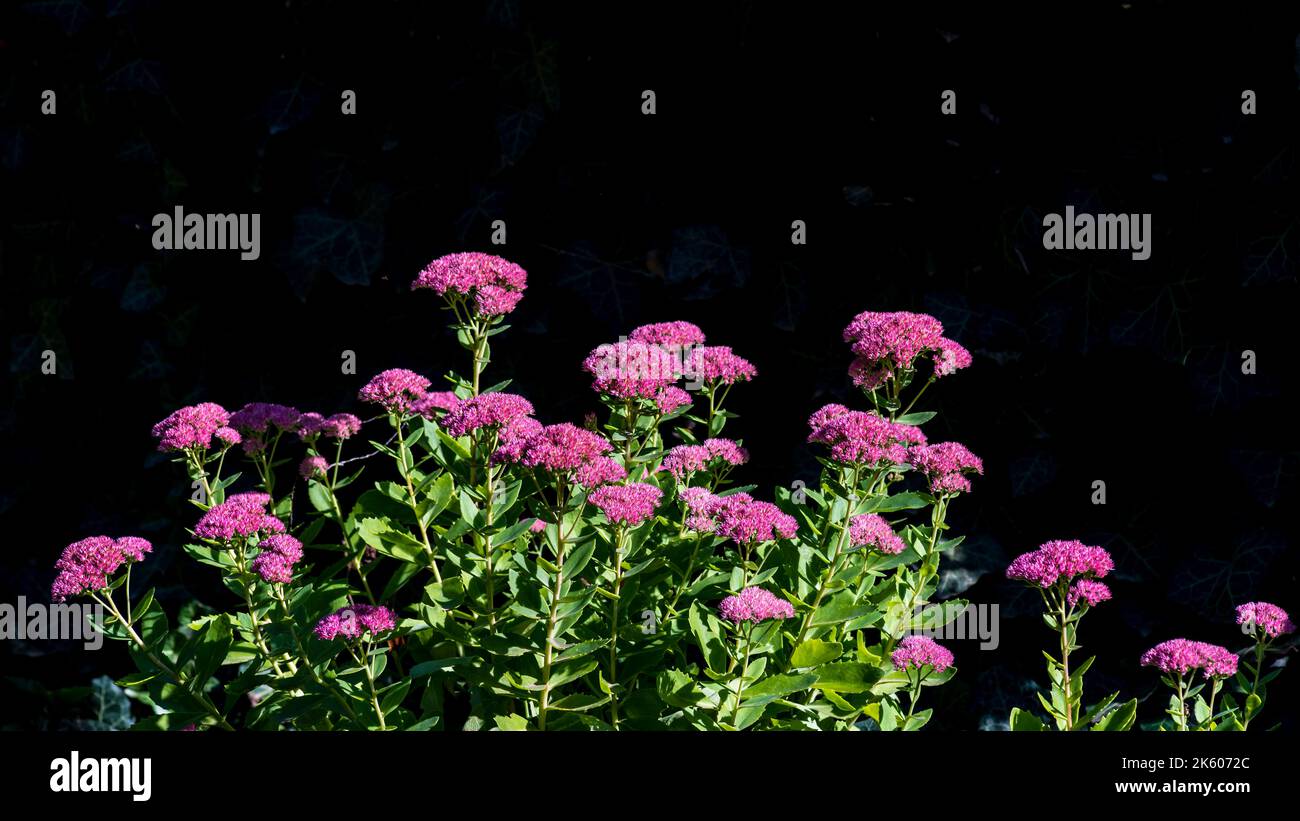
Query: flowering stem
548, 652
1182, 706
744, 667
918, 396
686, 580
926, 571
914, 696
302, 653
258, 639
370, 679
412, 501
619, 538
1065, 665
1254, 685
166, 669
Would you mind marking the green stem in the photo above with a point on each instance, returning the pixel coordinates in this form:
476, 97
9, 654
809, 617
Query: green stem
166, 669
412, 501
613, 625
744, 668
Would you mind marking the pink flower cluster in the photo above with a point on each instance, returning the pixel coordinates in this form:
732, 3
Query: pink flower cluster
1060, 561
279, 553
564, 449
340, 426
857, 437
258, 417
313, 467
745, 521
891, 341
872, 531
351, 621
668, 334
242, 515
754, 604
945, 465
717, 363
701, 505
631, 369
1090, 591
915, 652
489, 410
1260, 615
684, 460
1182, 656
397, 390
496, 284
629, 504
195, 426
84, 566
671, 398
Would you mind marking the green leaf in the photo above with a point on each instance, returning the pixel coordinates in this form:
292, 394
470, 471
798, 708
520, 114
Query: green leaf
781, 685
900, 501
214, 643
847, 677
1025, 721
706, 635
1119, 719
512, 722
814, 652
918, 418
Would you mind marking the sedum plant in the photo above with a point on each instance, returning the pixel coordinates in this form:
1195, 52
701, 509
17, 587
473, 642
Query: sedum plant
441, 558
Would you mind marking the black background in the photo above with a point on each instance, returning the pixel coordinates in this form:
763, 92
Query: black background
1088, 365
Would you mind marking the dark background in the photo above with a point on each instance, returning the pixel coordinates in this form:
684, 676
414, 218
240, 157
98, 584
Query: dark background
1088, 365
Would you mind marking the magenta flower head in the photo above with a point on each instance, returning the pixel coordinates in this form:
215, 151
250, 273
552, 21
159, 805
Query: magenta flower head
340, 426
260, 417
945, 465
489, 410
669, 334
313, 467
684, 460
857, 437
870, 530
1090, 591
717, 363
671, 398
193, 426
85, 566
1181, 656
351, 622
242, 515
599, 471
496, 285
631, 370
754, 604
435, 404
562, 448
1062, 561
629, 504
1260, 616
915, 652
279, 553
895, 338
512, 438
747, 522
1174, 656
701, 505
950, 357
397, 390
